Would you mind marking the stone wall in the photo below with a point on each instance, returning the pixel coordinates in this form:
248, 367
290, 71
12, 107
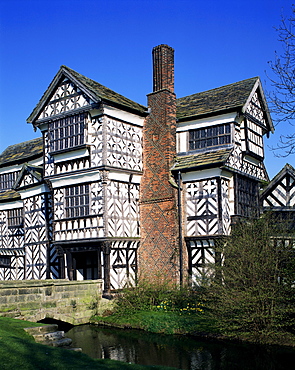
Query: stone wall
33, 300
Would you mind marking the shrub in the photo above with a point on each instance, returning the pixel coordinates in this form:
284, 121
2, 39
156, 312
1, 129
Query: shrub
253, 291
155, 295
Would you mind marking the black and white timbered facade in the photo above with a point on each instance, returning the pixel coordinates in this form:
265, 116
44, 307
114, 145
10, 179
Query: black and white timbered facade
70, 201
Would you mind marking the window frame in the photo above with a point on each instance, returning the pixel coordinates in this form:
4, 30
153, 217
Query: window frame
15, 218
246, 202
209, 137
252, 138
77, 201
67, 133
8, 179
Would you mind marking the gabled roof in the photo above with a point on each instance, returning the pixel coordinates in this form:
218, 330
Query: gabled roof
202, 160
286, 170
35, 171
223, 99
93, 89
22, 152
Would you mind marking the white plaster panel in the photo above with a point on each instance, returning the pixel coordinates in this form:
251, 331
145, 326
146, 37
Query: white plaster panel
205, 122
124, 177
11, 205
181, 140
199, 175
70, 155
35, 191
124, 116
75, 179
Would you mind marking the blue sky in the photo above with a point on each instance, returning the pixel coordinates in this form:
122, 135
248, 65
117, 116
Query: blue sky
216, 43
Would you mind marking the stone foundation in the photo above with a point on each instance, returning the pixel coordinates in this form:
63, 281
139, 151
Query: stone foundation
71, 301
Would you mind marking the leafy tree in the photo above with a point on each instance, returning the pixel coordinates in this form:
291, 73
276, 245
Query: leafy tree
282, 98
252, 295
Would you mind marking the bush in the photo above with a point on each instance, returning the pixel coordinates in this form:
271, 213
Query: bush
252, 294
150, 296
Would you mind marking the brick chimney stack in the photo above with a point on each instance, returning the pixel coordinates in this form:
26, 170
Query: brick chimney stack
163, 68
157, 255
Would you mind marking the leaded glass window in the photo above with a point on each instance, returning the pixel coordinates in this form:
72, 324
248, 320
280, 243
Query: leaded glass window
15, 217
7, 180
208, 137
254, 137
67, 132
77, 201
247, 193
5, 261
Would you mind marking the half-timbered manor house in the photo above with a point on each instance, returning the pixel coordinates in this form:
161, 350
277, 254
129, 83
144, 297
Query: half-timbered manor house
114, 189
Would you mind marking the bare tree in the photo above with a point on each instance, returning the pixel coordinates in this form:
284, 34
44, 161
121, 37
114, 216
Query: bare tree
282, 97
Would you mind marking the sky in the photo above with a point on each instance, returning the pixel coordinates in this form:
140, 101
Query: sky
216, 42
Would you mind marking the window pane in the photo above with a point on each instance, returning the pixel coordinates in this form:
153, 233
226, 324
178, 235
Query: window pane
215, 141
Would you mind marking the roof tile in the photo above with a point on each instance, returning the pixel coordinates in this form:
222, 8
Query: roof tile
212, 101
200, 160
22, 152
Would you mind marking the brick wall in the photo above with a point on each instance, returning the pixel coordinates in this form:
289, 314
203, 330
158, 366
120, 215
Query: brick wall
158, 252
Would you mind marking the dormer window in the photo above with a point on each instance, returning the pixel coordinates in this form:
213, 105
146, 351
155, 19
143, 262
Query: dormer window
67, 133
208, 137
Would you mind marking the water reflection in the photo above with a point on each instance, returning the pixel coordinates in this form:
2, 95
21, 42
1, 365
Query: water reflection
177, 351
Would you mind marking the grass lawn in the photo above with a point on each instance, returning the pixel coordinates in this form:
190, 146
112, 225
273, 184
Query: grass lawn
18, 350
166, 322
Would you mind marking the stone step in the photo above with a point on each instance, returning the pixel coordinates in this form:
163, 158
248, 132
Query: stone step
49, 336
54, 335
60, 342
41, 329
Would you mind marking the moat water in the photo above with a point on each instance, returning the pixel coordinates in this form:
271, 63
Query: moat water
181, 352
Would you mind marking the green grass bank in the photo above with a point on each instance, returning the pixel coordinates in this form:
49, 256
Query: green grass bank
160, 308
18, 350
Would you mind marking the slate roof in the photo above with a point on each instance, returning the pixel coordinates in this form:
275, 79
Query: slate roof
9, 195
202, 160
22, 152
223, 98
94, 89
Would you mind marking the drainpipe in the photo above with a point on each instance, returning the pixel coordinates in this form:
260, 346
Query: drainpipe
180, 228
107, 269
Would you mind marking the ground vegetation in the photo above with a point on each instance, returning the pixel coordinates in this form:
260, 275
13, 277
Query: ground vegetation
18, 350
250, 298
253, 290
